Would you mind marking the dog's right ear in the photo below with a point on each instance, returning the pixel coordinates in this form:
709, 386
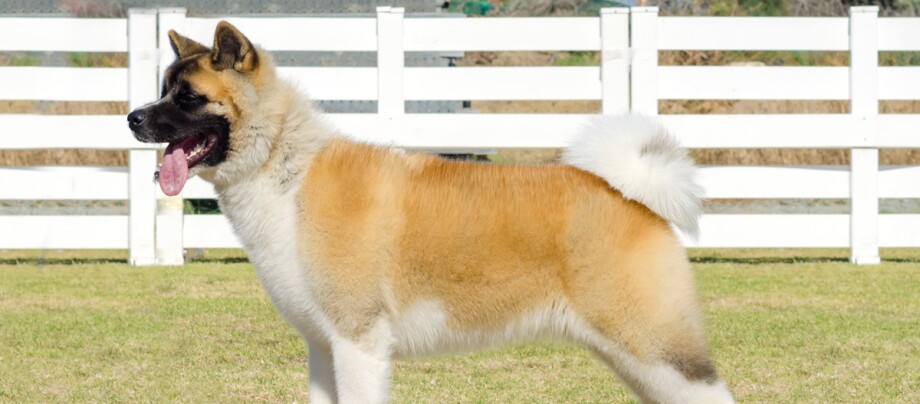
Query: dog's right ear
184, 47
232, 50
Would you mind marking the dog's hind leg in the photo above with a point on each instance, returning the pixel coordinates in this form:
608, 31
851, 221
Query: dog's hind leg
322, 373
679, 380
639, 314
362, 366
661, 360
661, 354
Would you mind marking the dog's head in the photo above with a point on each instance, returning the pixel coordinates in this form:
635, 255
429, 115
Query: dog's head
199, 110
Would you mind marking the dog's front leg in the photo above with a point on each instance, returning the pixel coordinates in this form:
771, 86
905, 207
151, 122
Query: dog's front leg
322, 373
362, 367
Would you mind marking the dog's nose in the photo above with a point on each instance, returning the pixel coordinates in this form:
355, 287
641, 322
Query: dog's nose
136, 118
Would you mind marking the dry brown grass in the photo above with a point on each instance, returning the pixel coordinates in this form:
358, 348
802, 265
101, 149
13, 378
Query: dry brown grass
63, 157
49, 157
702, 156
715, 156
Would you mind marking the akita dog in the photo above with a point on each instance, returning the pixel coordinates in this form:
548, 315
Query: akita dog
372, 253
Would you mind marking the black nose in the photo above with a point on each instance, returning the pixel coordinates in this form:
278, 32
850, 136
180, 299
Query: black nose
136, 118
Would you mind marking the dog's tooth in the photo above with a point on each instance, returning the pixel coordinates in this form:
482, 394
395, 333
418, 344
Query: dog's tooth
195, 150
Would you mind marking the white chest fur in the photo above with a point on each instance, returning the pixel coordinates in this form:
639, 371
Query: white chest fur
264, 219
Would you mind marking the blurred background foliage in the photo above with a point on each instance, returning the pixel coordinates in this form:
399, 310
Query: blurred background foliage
684, 7
117, 8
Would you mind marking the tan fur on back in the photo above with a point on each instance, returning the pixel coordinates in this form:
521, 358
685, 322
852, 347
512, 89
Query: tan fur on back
491, 242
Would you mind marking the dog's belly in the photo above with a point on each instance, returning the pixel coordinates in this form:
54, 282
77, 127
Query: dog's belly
426, 328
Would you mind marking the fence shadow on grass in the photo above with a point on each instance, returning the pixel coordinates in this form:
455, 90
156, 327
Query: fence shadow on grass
197, 256
790, 260
60, 261
765, 260
240, 260
43, 261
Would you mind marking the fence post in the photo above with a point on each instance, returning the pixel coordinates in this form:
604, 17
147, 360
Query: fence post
644, 74
614, 60
170, 217
142, 88
864, 249
391, 60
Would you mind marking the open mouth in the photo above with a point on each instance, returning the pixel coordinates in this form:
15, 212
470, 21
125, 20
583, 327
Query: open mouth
180, 156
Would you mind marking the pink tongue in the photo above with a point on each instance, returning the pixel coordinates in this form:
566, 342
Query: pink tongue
174, 171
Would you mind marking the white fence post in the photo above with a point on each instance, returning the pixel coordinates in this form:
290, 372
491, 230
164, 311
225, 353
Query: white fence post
614, 60
142, 88
391, 61
864, 247
170, 219
644, 74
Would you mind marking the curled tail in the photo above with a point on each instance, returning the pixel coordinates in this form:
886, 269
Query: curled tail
636, 155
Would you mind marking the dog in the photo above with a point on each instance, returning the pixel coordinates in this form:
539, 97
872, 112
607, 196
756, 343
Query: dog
373, 253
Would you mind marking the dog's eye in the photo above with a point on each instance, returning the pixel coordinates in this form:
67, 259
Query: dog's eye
189, 98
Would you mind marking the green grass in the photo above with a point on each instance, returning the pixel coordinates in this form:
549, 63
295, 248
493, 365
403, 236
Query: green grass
785, 326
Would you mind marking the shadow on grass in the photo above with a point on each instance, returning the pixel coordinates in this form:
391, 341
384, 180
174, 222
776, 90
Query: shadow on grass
765, 260
788, 260
220, 260
97, 261
60, 261
40, 261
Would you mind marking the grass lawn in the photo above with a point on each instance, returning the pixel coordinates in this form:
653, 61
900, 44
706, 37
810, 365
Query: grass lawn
785, 326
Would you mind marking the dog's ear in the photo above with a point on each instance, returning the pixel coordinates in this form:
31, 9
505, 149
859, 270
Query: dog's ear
232, 50
184, 47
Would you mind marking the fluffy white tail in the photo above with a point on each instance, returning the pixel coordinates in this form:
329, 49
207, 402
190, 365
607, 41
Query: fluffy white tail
636, 155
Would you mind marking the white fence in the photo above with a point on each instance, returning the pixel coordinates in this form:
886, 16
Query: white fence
628, 77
